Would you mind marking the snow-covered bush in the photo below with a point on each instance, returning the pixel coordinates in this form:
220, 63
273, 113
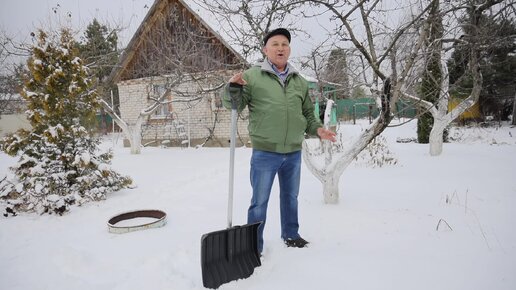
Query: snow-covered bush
376, 154
59, 161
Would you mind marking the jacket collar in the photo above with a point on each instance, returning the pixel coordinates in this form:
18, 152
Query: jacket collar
266, 66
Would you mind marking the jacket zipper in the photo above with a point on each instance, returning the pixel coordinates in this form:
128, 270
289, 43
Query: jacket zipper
285, 83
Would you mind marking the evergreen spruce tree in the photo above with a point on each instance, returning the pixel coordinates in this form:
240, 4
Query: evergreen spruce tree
59, 161
336, 72
99, 49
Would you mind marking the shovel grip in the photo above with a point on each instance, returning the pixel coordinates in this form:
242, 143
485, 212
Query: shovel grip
235, 94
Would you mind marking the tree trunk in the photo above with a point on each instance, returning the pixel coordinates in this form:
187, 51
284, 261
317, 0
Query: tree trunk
440, 114
331, 189
136, 135
135, 142
514, 111
436, 138
133, 133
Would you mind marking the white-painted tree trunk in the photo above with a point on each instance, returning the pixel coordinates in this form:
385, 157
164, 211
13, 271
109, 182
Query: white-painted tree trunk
135, 138
330, 182
436, 139
326, 145
331, 189
330, 170
133, 132
439, 111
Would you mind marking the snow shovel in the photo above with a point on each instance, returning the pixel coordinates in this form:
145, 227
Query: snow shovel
230, 254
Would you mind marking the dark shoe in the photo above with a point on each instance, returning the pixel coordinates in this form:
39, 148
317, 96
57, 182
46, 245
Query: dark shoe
296, 243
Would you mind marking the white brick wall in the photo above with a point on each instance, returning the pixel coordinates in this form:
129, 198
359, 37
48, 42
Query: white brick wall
197, 116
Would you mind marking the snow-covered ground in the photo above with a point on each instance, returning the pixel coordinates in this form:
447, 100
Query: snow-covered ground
446, 222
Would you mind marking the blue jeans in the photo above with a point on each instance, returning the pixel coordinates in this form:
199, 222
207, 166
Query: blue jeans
264, 167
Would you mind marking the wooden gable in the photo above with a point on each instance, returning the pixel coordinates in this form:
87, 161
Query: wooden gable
174, 38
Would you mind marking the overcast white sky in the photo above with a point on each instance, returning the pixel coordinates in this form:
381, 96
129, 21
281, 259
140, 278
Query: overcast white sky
19, 17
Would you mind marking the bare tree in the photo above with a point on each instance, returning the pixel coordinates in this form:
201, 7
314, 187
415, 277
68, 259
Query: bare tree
10, 100
476, 43
10, 74
329, 171
376, 52
246, 22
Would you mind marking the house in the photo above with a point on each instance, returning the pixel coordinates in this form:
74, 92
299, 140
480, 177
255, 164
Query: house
12, 117
175, 49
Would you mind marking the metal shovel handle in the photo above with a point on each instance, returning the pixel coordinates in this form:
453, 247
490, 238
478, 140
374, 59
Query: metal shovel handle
235, 96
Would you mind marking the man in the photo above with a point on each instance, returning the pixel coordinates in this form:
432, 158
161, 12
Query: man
280, 113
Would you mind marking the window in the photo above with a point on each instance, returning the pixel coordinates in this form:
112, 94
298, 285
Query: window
216, 101
164, 110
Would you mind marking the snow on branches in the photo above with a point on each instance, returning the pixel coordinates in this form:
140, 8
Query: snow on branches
59, 160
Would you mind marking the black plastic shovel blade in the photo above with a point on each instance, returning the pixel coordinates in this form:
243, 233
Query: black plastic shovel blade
229, 255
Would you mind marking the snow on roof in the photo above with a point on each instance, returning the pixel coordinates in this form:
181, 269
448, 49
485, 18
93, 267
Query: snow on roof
309, 78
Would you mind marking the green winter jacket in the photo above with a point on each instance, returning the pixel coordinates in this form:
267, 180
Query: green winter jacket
279, 115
